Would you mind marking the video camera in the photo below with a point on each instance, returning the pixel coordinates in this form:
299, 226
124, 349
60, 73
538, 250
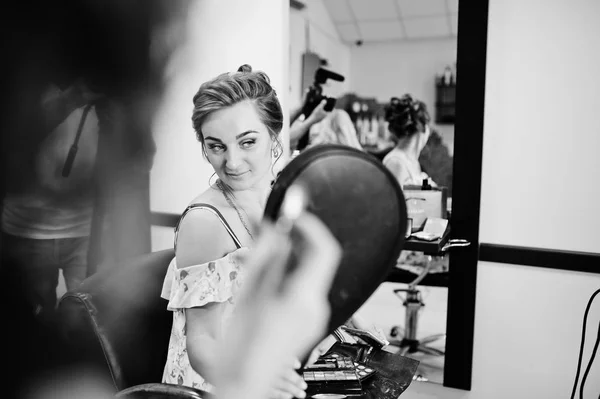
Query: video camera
315, 96
315, 92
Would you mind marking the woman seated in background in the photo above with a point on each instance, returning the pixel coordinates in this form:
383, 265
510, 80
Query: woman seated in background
335, 128
408, 121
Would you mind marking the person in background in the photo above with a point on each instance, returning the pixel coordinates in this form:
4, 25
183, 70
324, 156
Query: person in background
57, 59
436, 160
237, 118
408, 121
49, 202
335, 128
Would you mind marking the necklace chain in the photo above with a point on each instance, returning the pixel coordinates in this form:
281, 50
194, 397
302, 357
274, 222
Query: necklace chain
232, 204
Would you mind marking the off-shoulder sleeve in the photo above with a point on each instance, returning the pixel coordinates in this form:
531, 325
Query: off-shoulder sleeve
197, 285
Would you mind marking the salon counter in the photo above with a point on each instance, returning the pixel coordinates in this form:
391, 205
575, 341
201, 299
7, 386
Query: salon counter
433, 248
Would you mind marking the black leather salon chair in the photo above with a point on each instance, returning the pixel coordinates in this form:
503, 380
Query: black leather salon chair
117, 325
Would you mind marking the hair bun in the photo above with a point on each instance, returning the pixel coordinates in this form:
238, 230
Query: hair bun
245, 68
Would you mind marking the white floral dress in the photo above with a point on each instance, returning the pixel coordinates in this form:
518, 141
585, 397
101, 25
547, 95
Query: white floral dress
194, 286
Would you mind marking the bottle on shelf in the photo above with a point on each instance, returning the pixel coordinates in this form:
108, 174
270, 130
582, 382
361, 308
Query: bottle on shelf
385, 132
448, 79
454, 74
374, 131
359, 129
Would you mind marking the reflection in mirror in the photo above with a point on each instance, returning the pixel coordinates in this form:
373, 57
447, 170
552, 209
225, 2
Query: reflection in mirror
387, 49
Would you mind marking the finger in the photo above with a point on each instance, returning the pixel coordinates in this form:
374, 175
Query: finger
290, 375
315, 354
327, 343
291, 388
298, 120
291, 363
320, 257
321, 105
321, 349
278, 394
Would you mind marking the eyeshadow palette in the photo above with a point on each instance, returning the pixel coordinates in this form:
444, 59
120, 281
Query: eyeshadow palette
335, 374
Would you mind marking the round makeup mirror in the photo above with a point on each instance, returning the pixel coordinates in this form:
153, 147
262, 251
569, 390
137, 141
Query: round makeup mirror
363, 206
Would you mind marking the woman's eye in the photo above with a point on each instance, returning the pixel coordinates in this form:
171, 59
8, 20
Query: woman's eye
216, 147
248, 143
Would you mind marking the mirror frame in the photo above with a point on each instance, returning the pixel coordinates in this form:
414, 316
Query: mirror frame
467, 161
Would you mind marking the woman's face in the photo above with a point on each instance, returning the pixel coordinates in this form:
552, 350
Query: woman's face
238, 145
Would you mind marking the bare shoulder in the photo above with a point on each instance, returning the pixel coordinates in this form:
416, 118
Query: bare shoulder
392, 160
201, 236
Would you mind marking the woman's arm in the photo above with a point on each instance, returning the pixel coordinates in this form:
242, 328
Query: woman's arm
202, 239
203, 331
301, 126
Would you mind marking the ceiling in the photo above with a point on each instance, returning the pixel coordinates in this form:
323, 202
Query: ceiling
373, 21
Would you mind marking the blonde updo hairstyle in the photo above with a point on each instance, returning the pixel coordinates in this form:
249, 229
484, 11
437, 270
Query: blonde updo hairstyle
229, 89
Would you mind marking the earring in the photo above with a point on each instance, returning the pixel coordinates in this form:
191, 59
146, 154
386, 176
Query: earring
275, 152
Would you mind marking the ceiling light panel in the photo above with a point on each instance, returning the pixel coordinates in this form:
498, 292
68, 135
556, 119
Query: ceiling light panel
427, 27
380, 30
339, 10
422, 8
348, 32
365, 10
452, 6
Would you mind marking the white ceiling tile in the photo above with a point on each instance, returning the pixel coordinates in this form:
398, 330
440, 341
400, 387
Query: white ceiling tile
427, 27
419, 8
452, 6
380, 30
348, 32
373, 9
339, 10
453, 24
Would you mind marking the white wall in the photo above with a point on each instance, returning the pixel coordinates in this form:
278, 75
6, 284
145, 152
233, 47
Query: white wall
527, 334
541, 167
384, 70
540, 189
311, 29
222, 35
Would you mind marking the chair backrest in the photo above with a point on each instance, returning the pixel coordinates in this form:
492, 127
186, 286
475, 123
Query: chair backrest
117, 323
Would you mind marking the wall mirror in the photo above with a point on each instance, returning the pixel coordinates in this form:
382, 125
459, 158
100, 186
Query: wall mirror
388, 48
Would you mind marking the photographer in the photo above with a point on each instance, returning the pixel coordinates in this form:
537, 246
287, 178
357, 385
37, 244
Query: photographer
315, 107
47, 212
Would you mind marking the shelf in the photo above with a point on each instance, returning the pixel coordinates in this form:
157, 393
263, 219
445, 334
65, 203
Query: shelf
445, 105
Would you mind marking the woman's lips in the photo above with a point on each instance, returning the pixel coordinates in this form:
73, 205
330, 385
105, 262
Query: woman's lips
236, 175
